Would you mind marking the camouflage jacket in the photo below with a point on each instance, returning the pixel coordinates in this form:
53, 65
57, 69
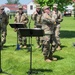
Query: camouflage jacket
37, 18
21, 18
5, 18
0, 21
58, 16
48, 23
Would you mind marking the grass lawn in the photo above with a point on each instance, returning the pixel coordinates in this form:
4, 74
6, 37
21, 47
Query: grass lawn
18, 62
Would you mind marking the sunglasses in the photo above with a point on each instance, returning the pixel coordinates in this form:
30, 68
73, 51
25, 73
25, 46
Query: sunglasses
20, 9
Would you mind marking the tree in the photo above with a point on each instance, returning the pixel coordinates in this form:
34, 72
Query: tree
61, 3
13, 1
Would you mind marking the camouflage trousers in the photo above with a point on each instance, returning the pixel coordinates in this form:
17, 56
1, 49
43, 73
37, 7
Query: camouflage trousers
39, 42
57, 33
49, 45
38, 39
4, 33
0, 37
22, 40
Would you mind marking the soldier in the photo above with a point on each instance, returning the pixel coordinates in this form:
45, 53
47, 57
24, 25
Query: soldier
59, 19
5, 21
36, 16
48, 26
0, 30
21, 17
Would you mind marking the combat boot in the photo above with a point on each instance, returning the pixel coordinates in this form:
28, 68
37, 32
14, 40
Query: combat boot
38, 46
47, 59
58, 48
20, 46
52, 58
24, 46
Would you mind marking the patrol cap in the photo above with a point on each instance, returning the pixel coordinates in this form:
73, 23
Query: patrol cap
45, 7
2, 7
55, 5
20, 7
38, 6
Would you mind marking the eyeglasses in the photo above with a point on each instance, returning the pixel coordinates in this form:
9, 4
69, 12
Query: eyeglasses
20, 9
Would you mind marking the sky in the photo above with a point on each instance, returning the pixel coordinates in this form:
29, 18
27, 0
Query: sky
21, 1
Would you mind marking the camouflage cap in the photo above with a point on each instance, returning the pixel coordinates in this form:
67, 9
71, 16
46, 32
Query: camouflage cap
38, 6
45, 7
2, 7
55, 5
20, 7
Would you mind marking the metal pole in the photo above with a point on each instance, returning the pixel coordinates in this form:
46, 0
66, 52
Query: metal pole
0, 45
74, 10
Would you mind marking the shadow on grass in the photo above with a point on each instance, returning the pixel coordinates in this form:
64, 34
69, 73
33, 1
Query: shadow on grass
7, 46
42, 70
39, 71
3, 72
62, 46
58, 57
67, 34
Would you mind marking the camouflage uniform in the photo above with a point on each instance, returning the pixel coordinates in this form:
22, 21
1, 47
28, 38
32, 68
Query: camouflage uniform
36, 16
48, 26
0, 31
58, 18
21, 18
5, 21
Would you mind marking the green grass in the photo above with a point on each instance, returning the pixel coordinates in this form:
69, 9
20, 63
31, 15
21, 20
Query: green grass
18, 62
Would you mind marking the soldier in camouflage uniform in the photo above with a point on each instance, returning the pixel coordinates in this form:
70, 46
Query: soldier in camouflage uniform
5, 21
21, 17
48, 26
36, 16
0, 31
59, 19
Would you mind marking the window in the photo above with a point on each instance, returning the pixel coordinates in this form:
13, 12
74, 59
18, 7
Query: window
31, 7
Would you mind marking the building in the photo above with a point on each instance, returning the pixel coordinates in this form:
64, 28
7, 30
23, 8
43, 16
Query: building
31, 8
14, 7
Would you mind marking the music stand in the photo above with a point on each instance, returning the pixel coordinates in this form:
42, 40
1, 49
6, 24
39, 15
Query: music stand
17, 25
31, 33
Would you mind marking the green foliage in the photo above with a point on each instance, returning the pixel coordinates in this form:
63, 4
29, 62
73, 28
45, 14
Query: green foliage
61, 3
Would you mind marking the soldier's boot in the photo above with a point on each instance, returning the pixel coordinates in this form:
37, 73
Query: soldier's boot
58, 48
38, 46
21, 45
47, 59
24, 46
25, 43
38, 42
52, 58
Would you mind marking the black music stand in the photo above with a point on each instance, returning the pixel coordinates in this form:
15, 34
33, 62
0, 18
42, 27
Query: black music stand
31, 33
17, 25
